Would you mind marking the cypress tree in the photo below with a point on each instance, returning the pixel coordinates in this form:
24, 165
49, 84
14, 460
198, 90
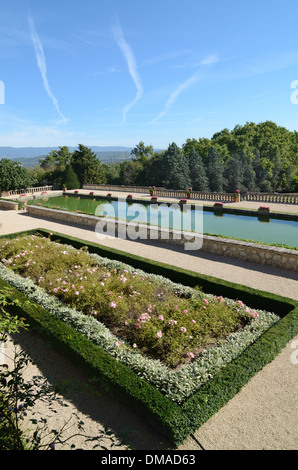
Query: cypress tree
87, 166
197, 171
70, 179
215, 171
175, 168
234, 174
262, 176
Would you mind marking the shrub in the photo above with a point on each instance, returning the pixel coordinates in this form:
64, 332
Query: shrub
70, 178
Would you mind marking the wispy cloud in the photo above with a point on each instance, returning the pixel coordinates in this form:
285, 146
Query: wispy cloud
41, 62
210, 59
131, 64
188, 83
165, 57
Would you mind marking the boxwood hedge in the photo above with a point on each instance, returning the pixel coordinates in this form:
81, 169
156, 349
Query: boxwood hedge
175, 421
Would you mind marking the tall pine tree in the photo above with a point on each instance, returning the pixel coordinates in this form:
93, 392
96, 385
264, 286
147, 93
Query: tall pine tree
197, 171
176, 174
87, 166
215, 171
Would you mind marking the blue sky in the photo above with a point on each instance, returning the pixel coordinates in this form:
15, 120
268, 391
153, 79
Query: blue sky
114, 72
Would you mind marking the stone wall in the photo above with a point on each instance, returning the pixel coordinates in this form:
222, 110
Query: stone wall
253, 252
9, 205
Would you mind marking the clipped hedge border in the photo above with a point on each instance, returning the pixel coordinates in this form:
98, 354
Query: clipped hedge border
176, 421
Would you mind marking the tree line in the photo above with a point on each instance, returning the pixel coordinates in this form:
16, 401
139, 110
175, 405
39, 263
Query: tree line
254, 157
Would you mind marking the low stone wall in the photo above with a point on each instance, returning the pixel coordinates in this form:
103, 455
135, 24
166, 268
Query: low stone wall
253, 252
281, 198
9, 205
262, 254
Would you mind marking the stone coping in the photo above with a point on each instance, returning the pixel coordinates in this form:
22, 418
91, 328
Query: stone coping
9, 205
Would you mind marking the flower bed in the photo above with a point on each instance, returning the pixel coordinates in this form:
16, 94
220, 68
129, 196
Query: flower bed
158, 319
178, 387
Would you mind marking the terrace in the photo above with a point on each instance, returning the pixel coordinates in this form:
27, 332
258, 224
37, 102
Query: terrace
257, 401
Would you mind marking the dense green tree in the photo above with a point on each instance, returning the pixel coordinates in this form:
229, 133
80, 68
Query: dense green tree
201, 146
54, 165
215, 170
70, 179
156, 172
234, 174
262, 176
142, 152
176, 174
253, 157
56, 159
13, 176
39, 176
111, 173
142, 155
87, 166
239, 174
130, 172
249, 176
197, 171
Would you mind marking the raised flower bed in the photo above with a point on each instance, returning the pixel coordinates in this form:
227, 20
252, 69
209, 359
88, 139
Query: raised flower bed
236, 196
264, 210
170, 396
188, 192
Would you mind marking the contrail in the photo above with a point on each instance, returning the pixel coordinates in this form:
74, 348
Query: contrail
132, 67
185, 85
41, 62
174, 96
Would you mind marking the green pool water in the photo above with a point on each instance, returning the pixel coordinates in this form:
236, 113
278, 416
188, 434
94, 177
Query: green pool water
270, 231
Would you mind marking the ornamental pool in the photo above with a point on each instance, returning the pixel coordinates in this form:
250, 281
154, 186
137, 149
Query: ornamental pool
243, 227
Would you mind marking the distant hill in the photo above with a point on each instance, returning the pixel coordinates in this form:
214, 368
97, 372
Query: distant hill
29, 156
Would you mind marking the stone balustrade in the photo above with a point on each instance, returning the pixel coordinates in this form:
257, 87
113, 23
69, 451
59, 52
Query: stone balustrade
280, 198
16, 192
